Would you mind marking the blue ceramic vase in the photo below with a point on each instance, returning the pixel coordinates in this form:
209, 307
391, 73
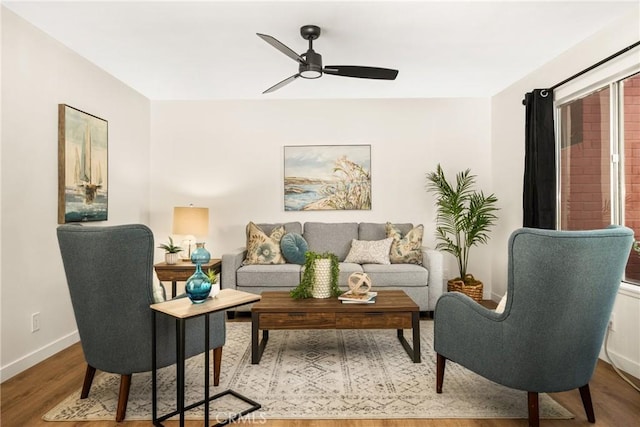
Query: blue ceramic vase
200, 255
198, 286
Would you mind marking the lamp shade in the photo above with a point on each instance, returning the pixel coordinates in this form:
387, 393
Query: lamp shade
191, 220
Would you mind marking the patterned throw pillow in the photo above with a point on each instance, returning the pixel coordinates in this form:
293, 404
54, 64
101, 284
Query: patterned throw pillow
294, 248
159, 294
263, 249
369, 251
405, 249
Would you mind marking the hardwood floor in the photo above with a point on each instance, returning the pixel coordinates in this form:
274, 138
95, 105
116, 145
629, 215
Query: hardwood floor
27, 396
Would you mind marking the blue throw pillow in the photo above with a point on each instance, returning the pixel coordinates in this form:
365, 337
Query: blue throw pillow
294, 248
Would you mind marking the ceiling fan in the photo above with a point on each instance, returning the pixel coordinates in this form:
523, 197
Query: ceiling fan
310, 63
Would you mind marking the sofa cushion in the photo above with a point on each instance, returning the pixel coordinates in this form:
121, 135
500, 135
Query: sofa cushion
371, 231
400, 275
263, 248
330, 237
369, 251
261, 275
406, 247
289, 227
378, 231
294, 248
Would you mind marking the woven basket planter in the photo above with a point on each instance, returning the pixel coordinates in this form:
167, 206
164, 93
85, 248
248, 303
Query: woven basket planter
473, 289
322, 285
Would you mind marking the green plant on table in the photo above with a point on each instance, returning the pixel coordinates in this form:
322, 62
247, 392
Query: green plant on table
305, 288
464, 216
212, 275
170, 248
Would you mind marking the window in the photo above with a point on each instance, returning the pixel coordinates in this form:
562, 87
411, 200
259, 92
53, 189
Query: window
598, 143
585, 185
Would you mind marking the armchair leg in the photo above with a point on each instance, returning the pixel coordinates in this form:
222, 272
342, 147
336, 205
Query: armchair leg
88, 380
534, 412
217, 361
585, 394
123, 397
441, 361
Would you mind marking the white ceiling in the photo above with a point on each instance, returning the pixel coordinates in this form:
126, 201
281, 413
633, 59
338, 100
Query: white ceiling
209, 49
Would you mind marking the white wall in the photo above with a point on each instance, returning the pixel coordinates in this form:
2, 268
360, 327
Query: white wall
38, 73
228, 156
507, 128
224, 155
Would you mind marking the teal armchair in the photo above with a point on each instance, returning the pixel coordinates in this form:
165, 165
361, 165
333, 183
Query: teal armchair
560, 293
109, 273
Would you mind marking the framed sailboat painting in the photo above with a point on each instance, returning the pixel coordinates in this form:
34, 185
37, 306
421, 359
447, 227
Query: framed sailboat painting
83, 142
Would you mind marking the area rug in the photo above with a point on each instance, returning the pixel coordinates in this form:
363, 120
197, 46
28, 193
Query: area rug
320, 374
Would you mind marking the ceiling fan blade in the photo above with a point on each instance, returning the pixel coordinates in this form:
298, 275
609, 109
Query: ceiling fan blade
282, 48
361, 72
282, 83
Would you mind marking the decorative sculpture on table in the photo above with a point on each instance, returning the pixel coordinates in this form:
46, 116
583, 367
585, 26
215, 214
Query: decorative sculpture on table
359, 283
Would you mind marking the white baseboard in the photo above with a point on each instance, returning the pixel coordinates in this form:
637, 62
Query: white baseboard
495, 297
37, 356
623, 363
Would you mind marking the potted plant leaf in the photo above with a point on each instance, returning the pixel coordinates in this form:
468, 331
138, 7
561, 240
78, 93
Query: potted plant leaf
464, 218
320, 277
172, 252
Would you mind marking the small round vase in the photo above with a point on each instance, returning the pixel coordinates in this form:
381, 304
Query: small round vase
200, 255
215, 290
198, 286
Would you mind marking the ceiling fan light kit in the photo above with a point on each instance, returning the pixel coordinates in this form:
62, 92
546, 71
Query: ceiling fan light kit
310, 62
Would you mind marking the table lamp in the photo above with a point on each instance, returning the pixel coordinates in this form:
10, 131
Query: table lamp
191, 222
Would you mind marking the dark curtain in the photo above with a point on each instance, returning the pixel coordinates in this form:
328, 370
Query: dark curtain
539, 194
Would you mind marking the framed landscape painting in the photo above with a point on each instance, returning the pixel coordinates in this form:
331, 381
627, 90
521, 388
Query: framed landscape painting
82, 166
327, 177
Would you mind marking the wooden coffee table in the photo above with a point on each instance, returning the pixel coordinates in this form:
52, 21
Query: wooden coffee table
277, 310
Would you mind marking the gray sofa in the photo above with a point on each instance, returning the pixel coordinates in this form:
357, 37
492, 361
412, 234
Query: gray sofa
424, 284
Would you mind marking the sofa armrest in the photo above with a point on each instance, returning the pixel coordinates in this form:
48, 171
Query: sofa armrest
231, 262
433, 260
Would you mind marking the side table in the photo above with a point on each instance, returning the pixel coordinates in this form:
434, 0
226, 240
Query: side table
182, 309
181, 271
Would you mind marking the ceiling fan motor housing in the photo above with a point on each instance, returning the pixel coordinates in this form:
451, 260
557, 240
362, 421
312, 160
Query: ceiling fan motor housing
310, 32
313, 68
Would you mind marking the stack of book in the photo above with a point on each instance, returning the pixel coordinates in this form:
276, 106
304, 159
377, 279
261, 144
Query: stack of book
351, 298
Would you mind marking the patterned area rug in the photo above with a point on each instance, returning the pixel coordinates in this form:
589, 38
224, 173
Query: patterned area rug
322, 374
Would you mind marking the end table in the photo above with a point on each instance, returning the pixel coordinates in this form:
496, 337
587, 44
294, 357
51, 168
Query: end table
182, 309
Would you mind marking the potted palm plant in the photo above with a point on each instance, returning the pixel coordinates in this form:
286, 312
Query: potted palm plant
172, 252
464, 218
